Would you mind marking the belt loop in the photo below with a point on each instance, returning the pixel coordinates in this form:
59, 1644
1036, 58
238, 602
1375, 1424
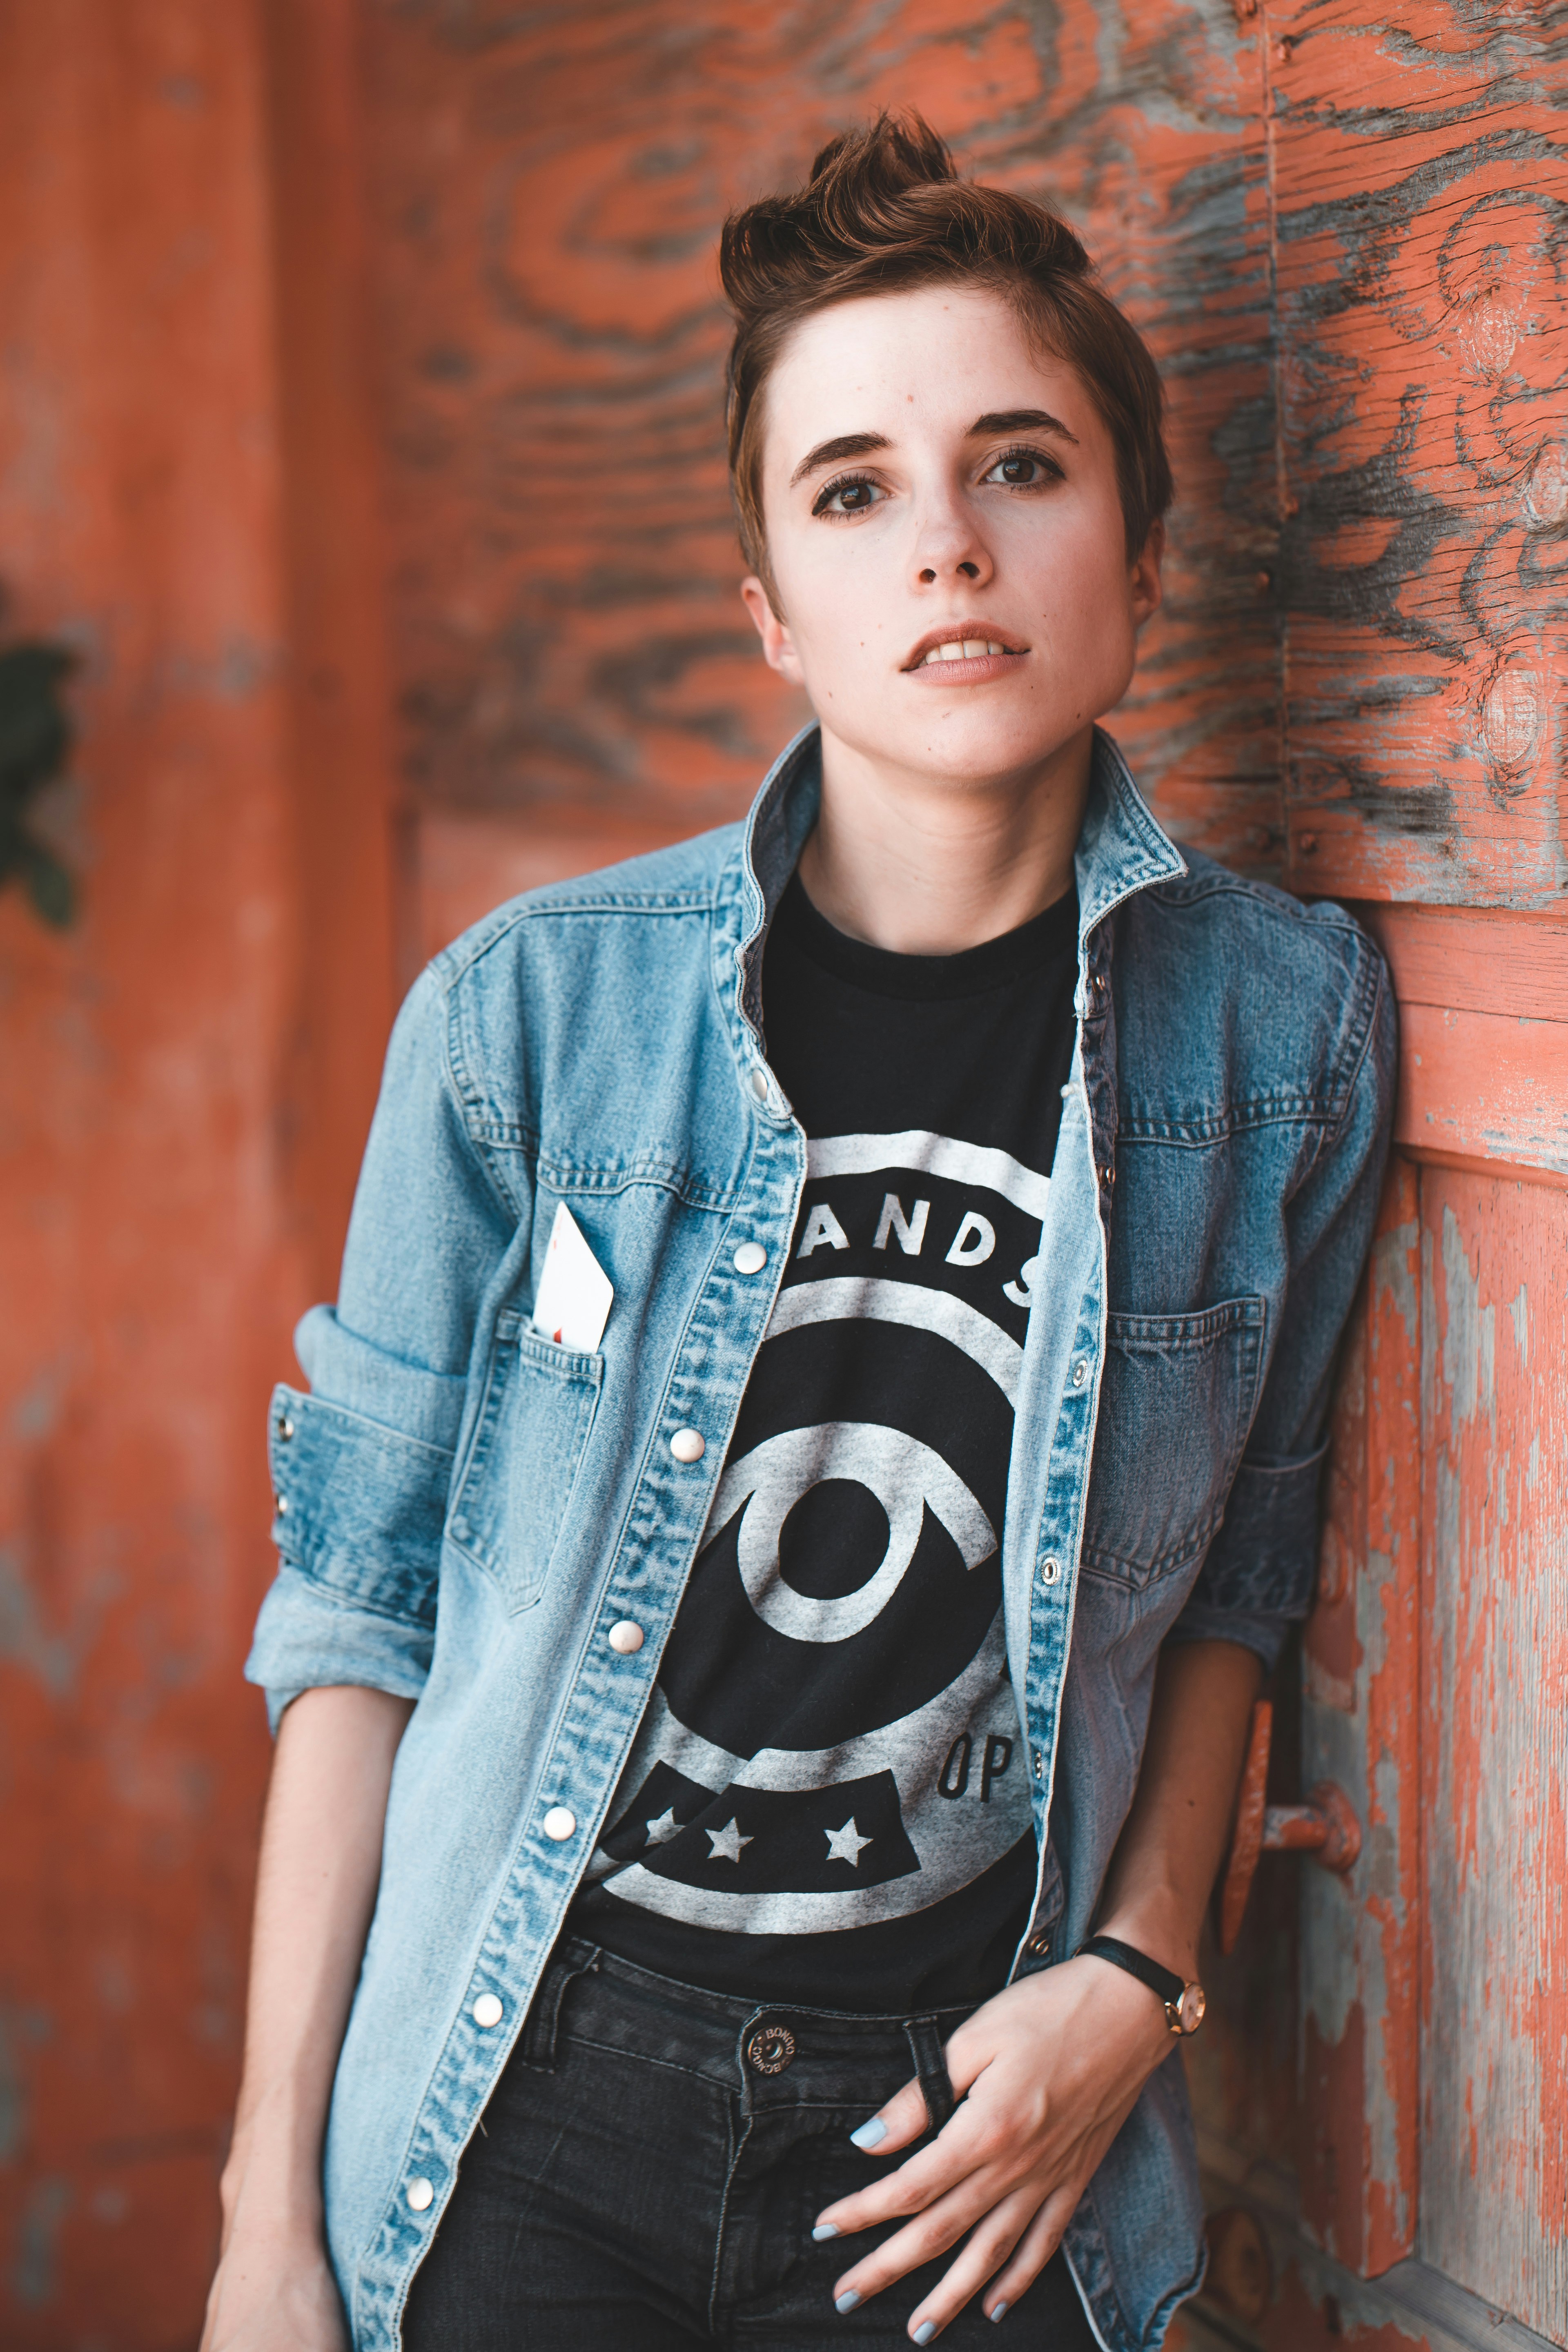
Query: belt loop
930, 2066
537, 2047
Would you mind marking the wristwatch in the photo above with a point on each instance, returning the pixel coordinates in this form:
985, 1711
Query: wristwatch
1184, 2003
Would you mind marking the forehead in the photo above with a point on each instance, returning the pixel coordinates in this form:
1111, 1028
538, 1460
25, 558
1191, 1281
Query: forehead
899, 364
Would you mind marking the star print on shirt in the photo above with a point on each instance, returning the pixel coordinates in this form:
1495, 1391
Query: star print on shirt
845, 1844
726, 1843
660, 1832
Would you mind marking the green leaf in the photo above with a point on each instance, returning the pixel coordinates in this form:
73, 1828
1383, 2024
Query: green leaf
50, 889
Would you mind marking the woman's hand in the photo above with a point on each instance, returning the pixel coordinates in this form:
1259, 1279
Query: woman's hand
1052, 2067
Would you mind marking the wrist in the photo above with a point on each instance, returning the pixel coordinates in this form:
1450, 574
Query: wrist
1133, 2016
1155, 1924
273, 2173
1181, 1998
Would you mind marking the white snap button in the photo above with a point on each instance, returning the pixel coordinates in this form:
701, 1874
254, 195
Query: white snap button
488, 2010
688, 1446
759, 1085
1079, 1374
1049, 1570
750, 1259
558, 1823
285, 1428
420, 2195
625, 1638
282, 1503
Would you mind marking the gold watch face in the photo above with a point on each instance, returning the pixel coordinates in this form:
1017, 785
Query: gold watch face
1190, 2009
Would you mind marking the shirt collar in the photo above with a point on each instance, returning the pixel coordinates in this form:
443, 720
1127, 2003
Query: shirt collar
1122, 848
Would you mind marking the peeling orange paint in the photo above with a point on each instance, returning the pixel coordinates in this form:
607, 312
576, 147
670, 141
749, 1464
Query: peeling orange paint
1494, 1762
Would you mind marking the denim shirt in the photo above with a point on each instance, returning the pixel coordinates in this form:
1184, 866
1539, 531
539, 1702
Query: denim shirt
465, 1507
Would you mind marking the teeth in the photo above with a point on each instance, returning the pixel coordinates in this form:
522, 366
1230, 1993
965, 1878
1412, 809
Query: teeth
965, 649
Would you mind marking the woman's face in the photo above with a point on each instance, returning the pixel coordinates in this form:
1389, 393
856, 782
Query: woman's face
929, 482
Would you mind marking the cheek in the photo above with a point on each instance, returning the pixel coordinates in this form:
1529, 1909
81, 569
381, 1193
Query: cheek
836, 600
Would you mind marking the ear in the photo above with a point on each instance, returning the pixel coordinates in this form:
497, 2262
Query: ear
778, 646
1148, 591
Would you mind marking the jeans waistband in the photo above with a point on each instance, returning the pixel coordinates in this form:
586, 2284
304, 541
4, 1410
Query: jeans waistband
744, 2041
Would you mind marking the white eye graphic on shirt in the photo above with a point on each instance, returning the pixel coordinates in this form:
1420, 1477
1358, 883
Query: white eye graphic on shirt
906, 1478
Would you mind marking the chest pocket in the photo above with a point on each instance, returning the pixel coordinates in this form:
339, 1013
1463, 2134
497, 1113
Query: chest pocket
533, 1424
1175, 1404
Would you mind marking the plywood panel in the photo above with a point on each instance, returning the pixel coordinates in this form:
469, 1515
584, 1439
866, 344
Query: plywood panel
1481, 1086
1360, 1933
1494, 2147
185, 1078
1420, 172
1475, 959
550, 189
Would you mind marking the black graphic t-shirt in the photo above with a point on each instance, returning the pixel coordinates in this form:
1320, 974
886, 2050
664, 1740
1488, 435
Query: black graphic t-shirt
829, 1800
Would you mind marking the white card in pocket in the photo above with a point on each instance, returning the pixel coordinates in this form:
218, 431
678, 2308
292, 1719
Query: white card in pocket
572, 1304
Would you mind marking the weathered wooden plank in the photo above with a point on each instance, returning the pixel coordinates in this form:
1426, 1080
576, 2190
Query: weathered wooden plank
1361, 1932
1494, 2150
1484, 1086
1420, 180
185, 1076
1473, 959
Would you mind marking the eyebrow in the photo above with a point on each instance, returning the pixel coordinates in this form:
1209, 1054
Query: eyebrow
996, 420
833, 453
1020, 420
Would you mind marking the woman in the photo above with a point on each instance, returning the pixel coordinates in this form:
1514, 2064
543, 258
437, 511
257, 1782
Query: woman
818, 1437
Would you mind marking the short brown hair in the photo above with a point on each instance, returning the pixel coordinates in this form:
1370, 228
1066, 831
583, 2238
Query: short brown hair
884, 212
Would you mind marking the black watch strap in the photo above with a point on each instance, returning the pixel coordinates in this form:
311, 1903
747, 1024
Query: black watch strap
1164, 1982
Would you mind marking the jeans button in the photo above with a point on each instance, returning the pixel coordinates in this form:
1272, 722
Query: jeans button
769, 2049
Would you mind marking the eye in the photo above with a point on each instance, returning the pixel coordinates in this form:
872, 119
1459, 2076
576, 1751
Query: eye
848, 494
1024, 469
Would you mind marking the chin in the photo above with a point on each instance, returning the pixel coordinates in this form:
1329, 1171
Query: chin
975, 751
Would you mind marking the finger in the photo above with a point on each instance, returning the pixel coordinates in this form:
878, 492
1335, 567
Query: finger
968, 2054
1034, 2251
902, 2118
987, 2250
951, 2157
928, 2238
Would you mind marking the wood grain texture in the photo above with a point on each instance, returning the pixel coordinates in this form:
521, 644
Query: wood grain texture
1419, 181
1494, 2148
1362, 1933
550, 187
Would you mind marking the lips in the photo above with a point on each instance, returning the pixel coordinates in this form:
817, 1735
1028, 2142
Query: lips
961, 641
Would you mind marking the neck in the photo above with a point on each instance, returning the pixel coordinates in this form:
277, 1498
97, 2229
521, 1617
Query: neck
924, 866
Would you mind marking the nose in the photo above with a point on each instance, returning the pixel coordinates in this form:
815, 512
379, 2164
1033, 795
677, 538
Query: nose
949, 545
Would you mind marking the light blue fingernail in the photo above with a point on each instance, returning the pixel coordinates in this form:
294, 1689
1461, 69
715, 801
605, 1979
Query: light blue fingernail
1000, 2312
825, 2230
870, 2135
925, 2331
850, 2302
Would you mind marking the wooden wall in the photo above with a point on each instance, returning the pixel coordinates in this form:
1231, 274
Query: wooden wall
186, 497
1342, 229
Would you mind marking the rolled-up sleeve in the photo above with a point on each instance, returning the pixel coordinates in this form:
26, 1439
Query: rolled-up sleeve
363, 1463
1260, 1571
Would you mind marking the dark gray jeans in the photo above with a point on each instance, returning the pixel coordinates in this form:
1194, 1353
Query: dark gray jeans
650, 2165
